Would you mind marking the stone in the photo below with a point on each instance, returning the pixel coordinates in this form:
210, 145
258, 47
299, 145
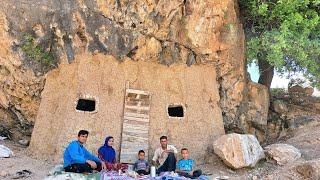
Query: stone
308, 91
296, 89
239, 150
309, 169
3, 138
222, 178
3, 173
301, 170
20, 89
280, 107
5, 152
258, 103
56, 170
3, 100
282, 153
24, 142
22, 174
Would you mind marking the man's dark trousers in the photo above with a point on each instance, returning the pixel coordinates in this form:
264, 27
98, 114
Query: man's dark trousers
168, 165
82, 168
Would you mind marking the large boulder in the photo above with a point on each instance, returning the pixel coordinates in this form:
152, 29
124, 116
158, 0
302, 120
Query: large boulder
238, 150
282, 153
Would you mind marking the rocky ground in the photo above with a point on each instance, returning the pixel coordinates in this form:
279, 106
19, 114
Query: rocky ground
306, 138
22, 161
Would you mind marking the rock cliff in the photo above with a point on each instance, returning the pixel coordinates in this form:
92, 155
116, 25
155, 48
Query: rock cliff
39, 35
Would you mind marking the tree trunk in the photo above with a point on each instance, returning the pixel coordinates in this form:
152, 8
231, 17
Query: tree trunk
266, 71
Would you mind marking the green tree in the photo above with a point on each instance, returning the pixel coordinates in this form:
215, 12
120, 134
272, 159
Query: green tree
283, 35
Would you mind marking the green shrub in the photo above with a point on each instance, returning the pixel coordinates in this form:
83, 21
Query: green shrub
277, 91
35, 52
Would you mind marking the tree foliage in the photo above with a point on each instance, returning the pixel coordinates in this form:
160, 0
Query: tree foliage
286, 33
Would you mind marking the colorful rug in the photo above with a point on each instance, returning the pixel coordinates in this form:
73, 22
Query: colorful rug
113, 175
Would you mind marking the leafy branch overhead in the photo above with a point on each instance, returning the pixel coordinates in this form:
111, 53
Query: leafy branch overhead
286, 33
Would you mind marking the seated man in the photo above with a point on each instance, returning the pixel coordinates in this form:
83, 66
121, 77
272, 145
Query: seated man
78, 159
164, 156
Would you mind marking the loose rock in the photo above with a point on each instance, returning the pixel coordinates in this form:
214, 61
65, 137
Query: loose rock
309, 169
282, 153
238, 151
5, 152
280, 107
3, 173
24, 142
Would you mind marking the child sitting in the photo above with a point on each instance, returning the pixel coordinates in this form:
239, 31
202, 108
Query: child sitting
141, 166
185, 166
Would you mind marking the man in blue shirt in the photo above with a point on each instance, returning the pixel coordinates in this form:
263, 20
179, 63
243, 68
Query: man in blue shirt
78, 159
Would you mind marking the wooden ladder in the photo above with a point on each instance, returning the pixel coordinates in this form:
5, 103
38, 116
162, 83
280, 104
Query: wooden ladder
135, 128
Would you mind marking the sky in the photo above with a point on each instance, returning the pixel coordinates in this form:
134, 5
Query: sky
277, 81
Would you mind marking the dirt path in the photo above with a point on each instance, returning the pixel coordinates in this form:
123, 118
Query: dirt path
21, 161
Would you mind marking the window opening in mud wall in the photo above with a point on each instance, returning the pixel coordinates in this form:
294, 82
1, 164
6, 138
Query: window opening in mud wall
88, 105
175, 111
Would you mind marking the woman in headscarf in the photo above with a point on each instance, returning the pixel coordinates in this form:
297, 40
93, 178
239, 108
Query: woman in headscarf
108, 155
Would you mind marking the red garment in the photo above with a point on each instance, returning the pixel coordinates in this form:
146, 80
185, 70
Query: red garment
116, 166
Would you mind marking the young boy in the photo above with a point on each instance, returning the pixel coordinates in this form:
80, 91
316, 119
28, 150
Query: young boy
185, 166
141, 166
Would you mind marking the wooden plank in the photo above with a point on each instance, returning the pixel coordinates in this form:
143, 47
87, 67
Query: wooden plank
135, 91
137, 115
133, 146
131, 122
136, 118
137, 103
129, 99
134, 142
139, 139
136, 134
145, 108
136, 111
135, 126
133, 129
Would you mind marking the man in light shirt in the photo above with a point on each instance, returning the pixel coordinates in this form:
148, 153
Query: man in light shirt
164, 156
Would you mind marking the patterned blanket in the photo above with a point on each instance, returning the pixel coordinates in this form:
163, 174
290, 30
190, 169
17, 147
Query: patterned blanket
165, 176
116, 176
113, 175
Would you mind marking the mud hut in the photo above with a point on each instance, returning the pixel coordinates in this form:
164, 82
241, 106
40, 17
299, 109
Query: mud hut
92, 93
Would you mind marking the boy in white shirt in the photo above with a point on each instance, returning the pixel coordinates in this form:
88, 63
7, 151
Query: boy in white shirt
164, 156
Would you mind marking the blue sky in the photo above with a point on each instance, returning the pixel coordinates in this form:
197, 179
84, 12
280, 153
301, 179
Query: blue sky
254, 72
